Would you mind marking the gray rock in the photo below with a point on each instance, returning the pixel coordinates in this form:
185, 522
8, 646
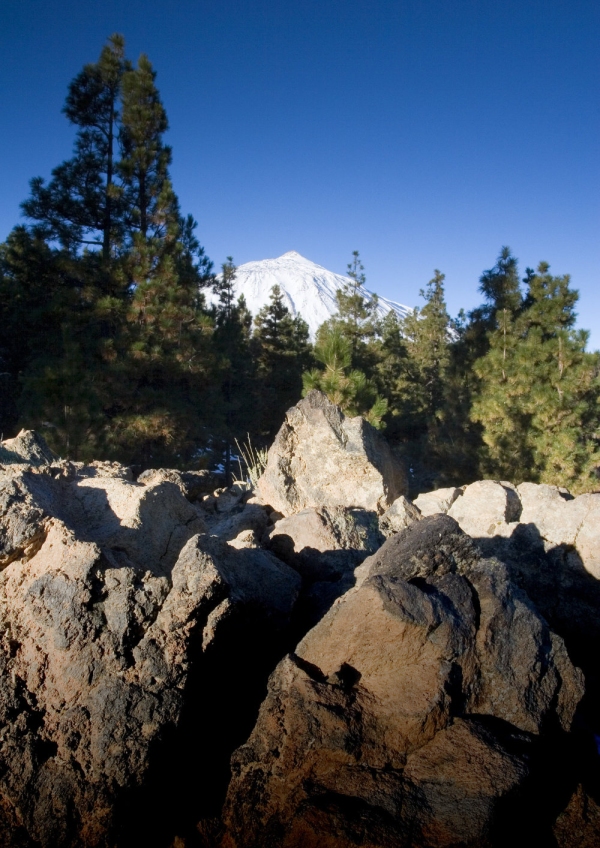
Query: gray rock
562, 520
320, 458
323, 544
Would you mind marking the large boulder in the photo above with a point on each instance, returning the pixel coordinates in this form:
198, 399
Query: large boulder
324, 543
320, 458
124, 635
413, 714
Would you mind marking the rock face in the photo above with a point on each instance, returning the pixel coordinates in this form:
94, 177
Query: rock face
320, 458
116, 617
411, 714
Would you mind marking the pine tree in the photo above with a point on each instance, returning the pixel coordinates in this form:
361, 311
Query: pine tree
81, 203
345, 386
356, 316
148, 197
539, 394
130, 321
282, 352
426, 332
471, 341
416, 381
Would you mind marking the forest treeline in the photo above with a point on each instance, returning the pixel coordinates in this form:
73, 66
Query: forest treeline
109, 347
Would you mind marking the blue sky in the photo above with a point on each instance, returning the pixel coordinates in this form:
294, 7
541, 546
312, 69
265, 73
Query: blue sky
425, 134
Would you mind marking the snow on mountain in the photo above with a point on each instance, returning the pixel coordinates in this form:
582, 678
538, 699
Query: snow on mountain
308, 289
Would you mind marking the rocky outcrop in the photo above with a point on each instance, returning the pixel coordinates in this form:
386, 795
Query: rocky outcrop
435, 689
320, 458
117, 619
412, 714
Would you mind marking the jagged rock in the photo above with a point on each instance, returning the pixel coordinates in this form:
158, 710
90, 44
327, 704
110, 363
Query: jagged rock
578, 826
440, 500
486, 508
104, 469
399, 516
411, 714
27, 448
320, 458
193, 484
96, 649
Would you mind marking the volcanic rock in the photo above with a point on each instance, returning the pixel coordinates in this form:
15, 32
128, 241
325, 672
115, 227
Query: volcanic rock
411, 714
320, 458
111, 604
486, 507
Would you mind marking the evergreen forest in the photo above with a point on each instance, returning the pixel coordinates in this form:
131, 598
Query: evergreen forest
110, 348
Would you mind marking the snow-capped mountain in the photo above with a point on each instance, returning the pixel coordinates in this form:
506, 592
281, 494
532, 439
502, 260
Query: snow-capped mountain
308, 289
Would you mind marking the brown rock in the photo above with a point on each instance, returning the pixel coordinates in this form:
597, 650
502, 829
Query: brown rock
578, 826
320, 458
407, 715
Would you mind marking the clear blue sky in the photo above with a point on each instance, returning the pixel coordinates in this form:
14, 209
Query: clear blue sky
426, 134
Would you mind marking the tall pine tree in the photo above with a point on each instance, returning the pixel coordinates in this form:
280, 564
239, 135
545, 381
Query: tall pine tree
81, 203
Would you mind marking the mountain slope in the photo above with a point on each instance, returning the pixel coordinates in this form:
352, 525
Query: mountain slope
308, 288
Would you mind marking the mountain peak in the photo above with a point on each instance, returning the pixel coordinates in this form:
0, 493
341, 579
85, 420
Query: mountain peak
308, 289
